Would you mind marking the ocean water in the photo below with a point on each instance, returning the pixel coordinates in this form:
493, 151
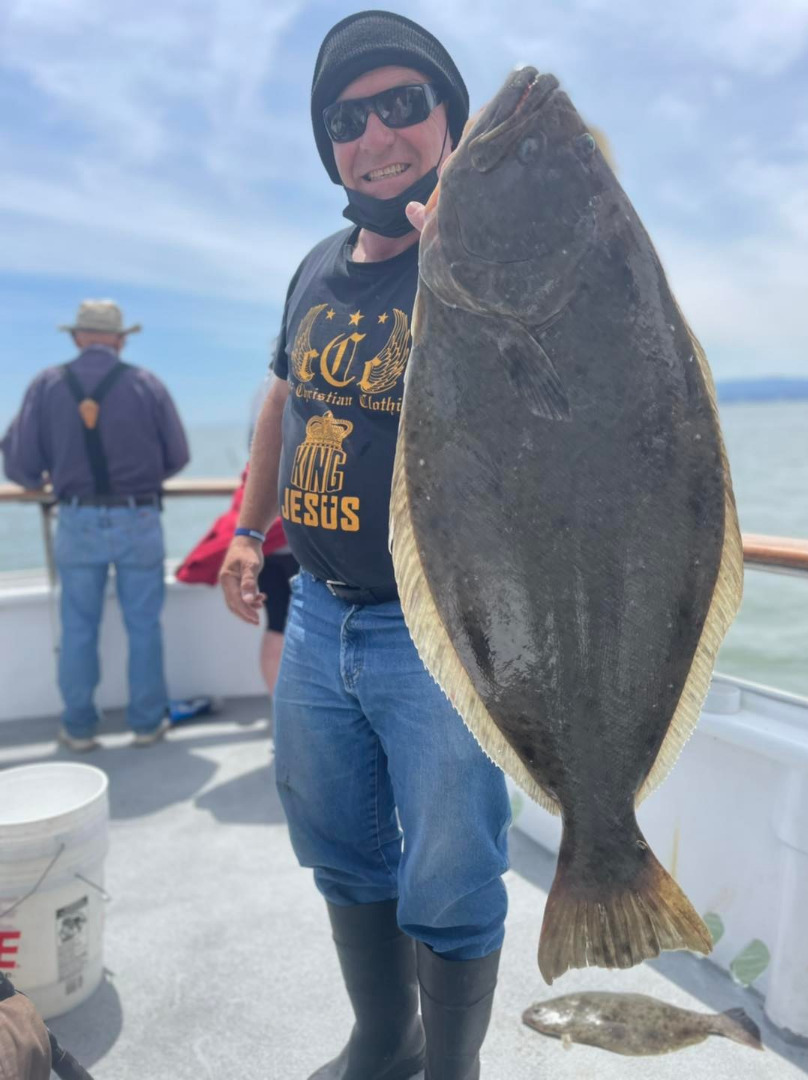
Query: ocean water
768, 452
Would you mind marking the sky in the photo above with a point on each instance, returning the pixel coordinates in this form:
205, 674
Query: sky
160, 152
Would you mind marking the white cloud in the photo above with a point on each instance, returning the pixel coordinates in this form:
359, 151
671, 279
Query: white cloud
778, 189
118, 73
171, 142
127, 231
745, 299
683, 200
721, 86
680, 116
746, 292
759, 37
744, 35
154, 145
798, 139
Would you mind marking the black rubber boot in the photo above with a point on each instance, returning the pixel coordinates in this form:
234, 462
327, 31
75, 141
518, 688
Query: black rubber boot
456, 1001
379, 971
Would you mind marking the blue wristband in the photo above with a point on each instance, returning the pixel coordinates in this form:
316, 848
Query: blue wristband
254, 533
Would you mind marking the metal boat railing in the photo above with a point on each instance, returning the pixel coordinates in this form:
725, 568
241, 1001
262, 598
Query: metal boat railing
777, 554
43, 497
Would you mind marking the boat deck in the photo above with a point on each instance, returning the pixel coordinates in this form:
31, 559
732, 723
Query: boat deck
219, 964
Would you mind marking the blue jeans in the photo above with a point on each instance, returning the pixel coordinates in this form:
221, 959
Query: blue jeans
363, 731
88, 539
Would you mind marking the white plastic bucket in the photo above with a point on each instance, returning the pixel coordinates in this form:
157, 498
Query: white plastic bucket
53, 841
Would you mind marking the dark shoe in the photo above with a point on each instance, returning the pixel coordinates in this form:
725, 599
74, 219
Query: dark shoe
456, 1001
378, 968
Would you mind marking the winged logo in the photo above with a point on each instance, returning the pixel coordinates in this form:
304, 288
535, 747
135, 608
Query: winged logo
385, 369
302, 352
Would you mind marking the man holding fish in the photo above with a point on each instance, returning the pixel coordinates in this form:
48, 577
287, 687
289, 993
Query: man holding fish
367, 745
555, 400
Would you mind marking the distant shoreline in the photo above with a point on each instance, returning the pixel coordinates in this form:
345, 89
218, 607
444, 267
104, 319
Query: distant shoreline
780, 388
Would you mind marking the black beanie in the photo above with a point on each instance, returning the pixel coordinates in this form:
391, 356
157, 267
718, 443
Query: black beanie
373, 39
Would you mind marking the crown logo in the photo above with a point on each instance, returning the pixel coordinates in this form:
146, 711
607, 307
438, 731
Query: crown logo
328, 431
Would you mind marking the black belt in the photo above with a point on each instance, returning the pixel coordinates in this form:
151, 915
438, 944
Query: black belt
112, 500
356, 595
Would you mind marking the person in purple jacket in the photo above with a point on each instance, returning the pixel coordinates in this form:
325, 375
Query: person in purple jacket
106, 435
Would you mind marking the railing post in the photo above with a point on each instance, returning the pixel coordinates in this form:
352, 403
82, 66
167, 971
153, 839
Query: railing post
47, 537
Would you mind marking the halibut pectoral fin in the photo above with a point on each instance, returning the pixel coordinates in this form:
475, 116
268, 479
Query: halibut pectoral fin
620, 919
531, 373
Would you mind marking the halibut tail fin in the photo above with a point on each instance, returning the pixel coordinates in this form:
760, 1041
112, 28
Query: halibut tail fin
615, 914
735, 1024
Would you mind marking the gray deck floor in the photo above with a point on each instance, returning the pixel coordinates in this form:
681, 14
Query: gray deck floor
219, 961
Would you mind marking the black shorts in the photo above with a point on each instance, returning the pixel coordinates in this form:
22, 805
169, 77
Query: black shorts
273, 582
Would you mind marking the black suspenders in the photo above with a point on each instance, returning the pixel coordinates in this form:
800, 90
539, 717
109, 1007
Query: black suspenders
88, 410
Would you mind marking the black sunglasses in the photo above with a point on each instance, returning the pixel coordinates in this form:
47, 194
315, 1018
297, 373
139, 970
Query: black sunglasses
399, 107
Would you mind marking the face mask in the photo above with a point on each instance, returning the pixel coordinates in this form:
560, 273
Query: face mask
386, 216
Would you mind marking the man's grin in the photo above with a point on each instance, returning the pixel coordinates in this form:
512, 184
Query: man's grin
385, 171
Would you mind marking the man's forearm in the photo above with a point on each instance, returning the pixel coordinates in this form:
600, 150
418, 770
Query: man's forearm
260, 505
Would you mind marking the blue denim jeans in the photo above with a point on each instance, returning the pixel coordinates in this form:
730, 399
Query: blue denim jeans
88, 540
363, 731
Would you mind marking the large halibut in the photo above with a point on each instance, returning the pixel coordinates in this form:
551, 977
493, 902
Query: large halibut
563, 527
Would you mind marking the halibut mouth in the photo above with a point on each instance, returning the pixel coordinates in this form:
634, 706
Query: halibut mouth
513, 114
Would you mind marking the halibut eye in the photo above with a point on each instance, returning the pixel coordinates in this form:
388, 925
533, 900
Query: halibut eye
585, 145
528, 149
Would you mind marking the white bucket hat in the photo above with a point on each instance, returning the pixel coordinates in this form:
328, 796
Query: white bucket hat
102, 317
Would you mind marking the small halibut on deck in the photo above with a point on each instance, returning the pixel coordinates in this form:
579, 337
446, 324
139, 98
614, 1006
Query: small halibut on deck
563, 527
635, 1024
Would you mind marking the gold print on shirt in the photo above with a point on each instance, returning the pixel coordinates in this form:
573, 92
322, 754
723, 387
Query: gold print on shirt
386, 368
333, 358
320, 457
302, 352
317, 475
339, 361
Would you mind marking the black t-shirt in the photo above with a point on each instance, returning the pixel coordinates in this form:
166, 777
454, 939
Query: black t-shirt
343, 347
